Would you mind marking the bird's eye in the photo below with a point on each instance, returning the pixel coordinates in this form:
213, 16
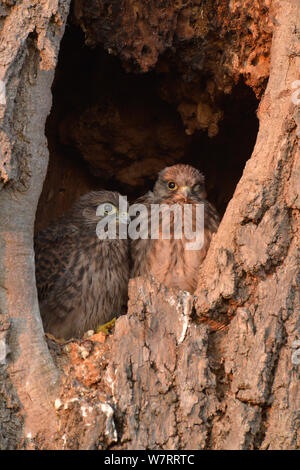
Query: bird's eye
172, 186
109, 209
196, 188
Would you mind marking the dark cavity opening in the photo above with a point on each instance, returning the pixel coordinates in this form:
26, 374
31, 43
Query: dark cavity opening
115, 130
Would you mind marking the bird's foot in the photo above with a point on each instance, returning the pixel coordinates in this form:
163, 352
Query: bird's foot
107, 327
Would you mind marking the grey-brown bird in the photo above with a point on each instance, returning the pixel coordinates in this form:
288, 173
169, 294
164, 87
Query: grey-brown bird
81, 280
168, 260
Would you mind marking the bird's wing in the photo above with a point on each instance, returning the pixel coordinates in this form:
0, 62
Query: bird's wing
54, 250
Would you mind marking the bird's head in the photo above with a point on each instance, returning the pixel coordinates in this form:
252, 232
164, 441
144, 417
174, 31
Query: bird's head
180, 183
94, 206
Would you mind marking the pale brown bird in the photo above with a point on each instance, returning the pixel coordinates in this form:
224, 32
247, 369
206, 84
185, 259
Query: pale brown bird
169, 261
81, 280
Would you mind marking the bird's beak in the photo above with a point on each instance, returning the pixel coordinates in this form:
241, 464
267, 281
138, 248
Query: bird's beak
185, 191
123, 217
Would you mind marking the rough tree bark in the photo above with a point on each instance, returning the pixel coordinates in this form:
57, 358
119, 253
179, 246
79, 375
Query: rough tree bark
30, 32
213, 371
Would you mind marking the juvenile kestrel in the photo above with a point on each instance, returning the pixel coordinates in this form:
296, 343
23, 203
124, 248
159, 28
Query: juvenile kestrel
168, 261
82, 280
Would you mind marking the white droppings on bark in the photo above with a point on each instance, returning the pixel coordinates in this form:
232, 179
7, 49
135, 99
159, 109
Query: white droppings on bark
111, 382
185, 324
66, 406
83, 411
183, 308
110, 424
2, 93
57, 404
171, 300
3, 351
186, 308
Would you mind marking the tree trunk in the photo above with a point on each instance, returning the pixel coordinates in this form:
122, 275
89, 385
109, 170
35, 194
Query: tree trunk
30, 34
218, 370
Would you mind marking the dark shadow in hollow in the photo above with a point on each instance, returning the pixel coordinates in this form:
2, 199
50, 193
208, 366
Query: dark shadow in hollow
106, 125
